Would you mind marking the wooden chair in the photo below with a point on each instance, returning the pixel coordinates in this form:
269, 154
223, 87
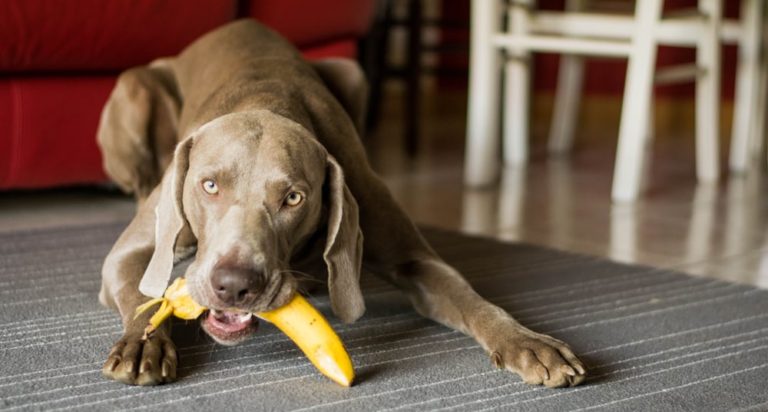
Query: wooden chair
577, 33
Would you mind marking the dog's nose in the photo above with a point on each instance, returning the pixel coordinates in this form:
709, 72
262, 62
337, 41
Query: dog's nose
236, 287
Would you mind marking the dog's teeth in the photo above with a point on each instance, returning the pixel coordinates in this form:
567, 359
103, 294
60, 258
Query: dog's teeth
244, 317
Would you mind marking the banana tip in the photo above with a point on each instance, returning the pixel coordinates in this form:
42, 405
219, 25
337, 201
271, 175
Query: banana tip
343, 380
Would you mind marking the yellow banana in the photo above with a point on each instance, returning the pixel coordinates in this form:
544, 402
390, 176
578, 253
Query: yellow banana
298, 319
315, 337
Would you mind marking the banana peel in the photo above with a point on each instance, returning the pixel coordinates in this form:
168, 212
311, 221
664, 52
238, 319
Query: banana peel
298, 319
176, 301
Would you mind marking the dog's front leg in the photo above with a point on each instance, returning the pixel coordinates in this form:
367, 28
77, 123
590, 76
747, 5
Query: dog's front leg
395, 249
439, 292
133, 360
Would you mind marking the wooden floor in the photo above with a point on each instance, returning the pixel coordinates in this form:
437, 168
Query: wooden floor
562, 202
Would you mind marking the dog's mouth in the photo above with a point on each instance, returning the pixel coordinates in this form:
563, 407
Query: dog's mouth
229, 327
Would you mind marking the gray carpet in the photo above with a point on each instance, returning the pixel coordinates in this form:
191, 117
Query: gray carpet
655, 340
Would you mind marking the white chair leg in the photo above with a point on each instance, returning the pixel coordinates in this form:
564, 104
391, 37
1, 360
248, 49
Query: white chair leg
760, 132
747, 78
636, 104
569, 84
517, 82
567, 99
481, 164
708, 94
646, 173
516, 111
757, 127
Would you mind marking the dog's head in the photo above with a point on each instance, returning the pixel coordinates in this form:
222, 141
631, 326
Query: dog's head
253, 188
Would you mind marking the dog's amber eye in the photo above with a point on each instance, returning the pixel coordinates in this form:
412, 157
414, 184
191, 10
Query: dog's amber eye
293, 199
210, 187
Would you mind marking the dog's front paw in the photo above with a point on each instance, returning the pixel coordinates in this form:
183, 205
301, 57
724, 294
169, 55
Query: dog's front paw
538, 359
135, 361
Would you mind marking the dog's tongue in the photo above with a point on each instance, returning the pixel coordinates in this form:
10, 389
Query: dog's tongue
230, 321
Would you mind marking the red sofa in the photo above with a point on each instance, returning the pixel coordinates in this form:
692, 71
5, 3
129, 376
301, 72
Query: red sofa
59, 61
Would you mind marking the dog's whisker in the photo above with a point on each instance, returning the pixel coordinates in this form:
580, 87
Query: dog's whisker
302, 276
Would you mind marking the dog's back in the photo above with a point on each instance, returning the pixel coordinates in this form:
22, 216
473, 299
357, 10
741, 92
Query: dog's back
267, 72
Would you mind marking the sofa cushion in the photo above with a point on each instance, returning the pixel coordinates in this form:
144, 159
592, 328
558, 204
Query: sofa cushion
59, 61
307, 23
48, 125
51, 35
48, 130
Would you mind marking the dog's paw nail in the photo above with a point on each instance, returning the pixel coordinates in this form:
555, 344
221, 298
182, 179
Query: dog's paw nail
146, 380
568, 370
167, 369
497, 360
111, 365
145, 366
128, 365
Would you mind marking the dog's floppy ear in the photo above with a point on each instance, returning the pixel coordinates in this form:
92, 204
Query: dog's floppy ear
344, 247
169, 221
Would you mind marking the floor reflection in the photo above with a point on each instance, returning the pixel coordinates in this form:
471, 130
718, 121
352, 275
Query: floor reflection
715, 230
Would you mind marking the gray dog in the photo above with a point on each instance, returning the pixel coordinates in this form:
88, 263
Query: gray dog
248, 157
